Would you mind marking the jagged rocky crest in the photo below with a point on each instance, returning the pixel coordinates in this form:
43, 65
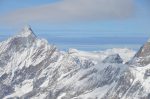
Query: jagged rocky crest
142, 57
30, 68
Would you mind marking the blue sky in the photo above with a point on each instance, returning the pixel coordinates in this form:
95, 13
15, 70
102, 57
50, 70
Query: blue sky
129, 18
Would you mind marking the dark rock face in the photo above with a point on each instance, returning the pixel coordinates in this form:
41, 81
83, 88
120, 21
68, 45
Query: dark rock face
142, 57
147, 73
144, 50
109, 75
5, 90
123, 84
113, 59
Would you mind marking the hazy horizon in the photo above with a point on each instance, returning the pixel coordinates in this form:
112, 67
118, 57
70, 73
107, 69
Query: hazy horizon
89, 43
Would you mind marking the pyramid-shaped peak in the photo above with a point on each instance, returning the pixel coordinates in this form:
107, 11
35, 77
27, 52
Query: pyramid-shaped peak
114, 58
27, 31
27, 28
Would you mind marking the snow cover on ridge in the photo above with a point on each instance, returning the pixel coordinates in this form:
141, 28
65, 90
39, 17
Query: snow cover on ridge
125, 54
30, 68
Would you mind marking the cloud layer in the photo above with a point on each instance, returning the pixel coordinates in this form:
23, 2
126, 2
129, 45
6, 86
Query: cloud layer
72, 11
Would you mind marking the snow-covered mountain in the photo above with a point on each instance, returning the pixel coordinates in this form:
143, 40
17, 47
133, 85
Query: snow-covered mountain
134, 82
30, 68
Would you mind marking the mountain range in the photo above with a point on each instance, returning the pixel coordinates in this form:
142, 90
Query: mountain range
31, 68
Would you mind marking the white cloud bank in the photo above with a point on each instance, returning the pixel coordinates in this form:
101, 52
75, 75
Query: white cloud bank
71, 11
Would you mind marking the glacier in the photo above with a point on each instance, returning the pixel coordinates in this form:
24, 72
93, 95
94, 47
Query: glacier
31, 68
